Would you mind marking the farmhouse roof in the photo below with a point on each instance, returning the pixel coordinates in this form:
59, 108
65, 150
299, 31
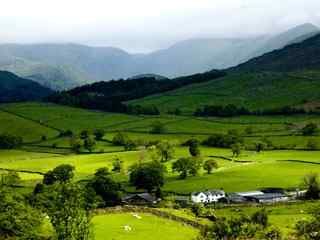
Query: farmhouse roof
145, 196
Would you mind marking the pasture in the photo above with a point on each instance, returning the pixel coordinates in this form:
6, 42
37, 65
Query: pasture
149, 227
251, 170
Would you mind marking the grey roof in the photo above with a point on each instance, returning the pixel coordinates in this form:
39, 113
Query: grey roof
146, 196
268, 196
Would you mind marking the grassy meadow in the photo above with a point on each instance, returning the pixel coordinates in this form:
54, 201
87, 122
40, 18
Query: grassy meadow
149, 227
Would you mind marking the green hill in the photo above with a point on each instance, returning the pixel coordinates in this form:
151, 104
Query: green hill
257, 91
285, 77
14, 88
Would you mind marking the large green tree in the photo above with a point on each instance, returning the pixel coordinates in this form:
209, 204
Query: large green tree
18, 220
148, 176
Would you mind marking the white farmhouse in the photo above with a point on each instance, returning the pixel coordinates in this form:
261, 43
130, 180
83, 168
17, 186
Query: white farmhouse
207, 196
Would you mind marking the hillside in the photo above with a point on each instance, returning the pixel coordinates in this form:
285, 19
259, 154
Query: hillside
285, 77
256, 91
109, 96
64, 66
14, 89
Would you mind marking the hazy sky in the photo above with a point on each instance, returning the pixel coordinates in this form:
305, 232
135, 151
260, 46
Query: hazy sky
146, 25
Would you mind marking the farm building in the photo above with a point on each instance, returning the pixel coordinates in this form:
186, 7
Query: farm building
209, 196
140, 199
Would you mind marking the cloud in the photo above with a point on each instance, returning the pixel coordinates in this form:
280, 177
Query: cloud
144, 25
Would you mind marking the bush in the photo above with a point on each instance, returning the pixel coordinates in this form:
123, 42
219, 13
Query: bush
62, 173
120, 139
223, 140
8, 141
309, 129
260, 217
311, 182
312, 145
209, 165
158, 128
99, 134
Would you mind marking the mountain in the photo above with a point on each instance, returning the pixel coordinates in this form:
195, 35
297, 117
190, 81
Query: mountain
284, 77
15, 89
294, 35
295, 57
63, 66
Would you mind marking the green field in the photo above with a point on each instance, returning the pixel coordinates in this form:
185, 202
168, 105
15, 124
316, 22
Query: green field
149, 227
277, 168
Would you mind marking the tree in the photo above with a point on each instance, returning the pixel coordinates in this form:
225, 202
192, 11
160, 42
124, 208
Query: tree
165, 150
65, 205
309, 229
8, 141
187, 166
312, 144
62, 173
18, 220
260, 146
75, 144
248, 130
120, 139
209, 165
158, 128
84, 134
194, 148
260, 217
148, 176
236, 149
105, 187
117, 165
102, 172
99, 134
311, 182
309, 129
89, 143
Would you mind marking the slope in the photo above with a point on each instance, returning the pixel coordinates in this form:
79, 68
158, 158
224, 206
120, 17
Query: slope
14, 88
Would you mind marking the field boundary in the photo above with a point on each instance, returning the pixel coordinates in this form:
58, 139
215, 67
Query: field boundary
22, 171
153, 211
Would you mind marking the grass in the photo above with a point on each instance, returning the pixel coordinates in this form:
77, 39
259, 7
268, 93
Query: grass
29, 130
270, 168
179, 128
284, 216
252, 90
149, 227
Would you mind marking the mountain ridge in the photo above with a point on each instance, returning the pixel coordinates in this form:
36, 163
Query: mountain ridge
76, 64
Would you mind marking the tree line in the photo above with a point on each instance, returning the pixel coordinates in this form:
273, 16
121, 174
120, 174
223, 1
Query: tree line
110, 96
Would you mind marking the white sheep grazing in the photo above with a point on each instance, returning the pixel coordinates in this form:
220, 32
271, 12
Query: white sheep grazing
127, 228
137, 216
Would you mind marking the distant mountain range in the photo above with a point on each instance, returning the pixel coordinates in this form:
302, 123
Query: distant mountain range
287, 77
16, 89
64, 66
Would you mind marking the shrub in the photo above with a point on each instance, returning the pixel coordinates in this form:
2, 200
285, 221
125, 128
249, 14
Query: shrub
309, 129
158, 128
8, 141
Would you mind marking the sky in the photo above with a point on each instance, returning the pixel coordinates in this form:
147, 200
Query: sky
148, 25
